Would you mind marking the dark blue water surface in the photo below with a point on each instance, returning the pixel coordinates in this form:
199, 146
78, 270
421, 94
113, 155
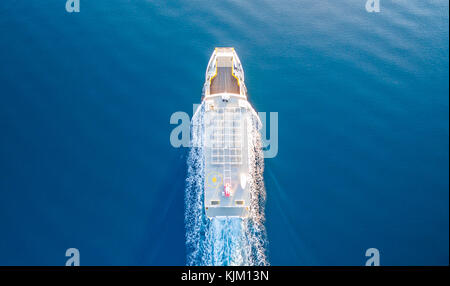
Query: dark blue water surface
362, 98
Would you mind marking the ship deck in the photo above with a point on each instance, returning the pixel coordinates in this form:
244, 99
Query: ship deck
224, 82
226, 156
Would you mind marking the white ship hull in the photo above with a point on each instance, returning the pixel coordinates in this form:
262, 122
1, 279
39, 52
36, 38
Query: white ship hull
227, 143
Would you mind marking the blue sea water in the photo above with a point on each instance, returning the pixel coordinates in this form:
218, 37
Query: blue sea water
362, 101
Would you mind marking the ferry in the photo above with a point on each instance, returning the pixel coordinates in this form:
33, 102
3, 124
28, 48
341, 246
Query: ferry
227, 137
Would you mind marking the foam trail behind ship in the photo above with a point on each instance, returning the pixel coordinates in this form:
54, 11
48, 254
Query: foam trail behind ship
224, 241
